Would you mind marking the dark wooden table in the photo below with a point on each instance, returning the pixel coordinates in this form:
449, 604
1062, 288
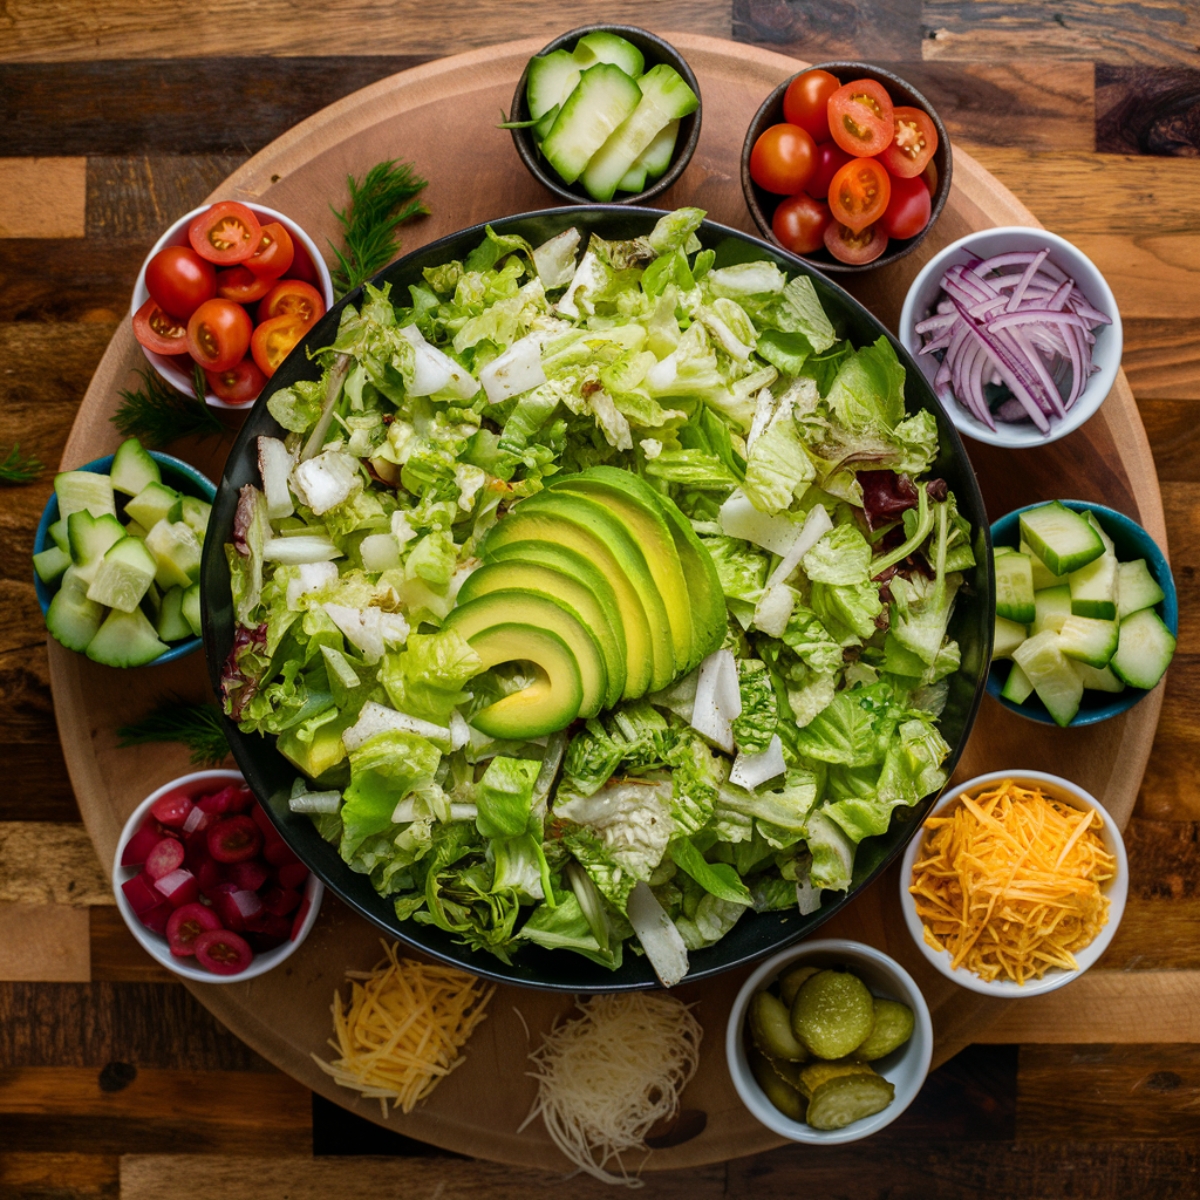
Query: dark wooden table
114, 119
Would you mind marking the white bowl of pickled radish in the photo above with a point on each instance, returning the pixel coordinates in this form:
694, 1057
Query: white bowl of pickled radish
905, 1068
1115, 889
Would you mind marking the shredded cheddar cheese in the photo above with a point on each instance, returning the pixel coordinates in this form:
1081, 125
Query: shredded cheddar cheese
1009, 883
401, 1031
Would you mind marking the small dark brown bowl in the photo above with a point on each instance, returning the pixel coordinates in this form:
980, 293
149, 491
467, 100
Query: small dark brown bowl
762, 204
656, 51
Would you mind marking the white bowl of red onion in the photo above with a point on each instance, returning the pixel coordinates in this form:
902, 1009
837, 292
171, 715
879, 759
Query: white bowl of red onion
1017, 331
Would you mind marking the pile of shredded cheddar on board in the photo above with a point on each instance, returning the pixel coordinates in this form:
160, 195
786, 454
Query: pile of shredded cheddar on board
1009, 882
401, 1031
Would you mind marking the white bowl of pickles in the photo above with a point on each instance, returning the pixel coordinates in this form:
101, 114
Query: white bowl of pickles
828, 1042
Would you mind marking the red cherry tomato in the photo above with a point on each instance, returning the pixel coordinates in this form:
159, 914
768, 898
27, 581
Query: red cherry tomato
859, 193
241, 285
914, 142
783, 159
857, 249
274, 340
225, 234
293, 298
218, 334
806, 103
180, 281
799, 223
860, 117
908, 210
274, 254
239, 384
830, 159
158, 331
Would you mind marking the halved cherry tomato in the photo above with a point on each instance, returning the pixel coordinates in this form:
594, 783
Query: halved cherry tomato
274, 340
830, 159
857, 249
158, 331
239, 384
218, 334
274, 254
908, 210
799, 223
913, 143
293, 298
783, 158
222, 952
225, 234
806, 102
860, 117
859, 193
180, 280
241, 285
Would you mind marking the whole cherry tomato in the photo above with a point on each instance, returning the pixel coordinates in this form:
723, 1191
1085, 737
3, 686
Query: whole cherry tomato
180, 281
908, 210
799, 223
830, 159
218, 334
806, 102
783, 158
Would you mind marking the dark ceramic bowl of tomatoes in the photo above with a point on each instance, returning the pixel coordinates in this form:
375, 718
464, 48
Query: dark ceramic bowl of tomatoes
781, 161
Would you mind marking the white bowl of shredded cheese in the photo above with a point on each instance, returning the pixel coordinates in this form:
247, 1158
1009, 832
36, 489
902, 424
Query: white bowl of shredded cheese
1014, 938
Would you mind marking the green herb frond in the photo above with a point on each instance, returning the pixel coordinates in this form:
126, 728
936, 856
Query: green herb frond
197, 726
16, 469
156, 414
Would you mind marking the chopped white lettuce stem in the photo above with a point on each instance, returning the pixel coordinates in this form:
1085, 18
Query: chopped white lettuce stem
379, 552
556, 749
361, 627
469, 479
587, 277
718, 699
739, 518
753, 770
816, 525
275, 465
311, 577
378, 718
554, 260
651, 448
808, 895
300, 549
338, 667
325, 481
661, 941
304, 801
660, 376
394, 627
460, 731
774, 609
747, 279
517, 370
726, 338
406, 811
764, 410
633, 820
435, 371
402, 531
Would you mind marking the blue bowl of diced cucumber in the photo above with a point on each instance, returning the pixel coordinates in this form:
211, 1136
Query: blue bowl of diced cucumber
1095, 637
165, 615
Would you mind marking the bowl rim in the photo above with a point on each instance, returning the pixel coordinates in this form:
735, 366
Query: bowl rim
904, 246
162, 365
154, 943
920, 1043
1167, 609
523, 138
1095, 392
1117, 889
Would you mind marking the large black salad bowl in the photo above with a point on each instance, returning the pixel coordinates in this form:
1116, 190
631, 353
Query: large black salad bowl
756, 935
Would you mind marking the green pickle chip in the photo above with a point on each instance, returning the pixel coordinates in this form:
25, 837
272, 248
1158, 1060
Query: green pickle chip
893, 1027
817, 1073
833, 1014
846, 1098
772, 1030
791, 982
780, 1093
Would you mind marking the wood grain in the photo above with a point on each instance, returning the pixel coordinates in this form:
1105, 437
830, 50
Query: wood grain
1152, 275
1162, 360
117, 956
871, 30
42, 197
1147, 110
47, 942
49, 863
54, 1176
46, 280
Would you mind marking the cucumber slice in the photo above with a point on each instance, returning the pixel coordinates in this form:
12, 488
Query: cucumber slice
656, 157
1136, 588
604, 97
1014, 588
80, 491
90, 539
133, 468
634, 180
1094, 589
176, 550
152, 602
51, 563
125, 640
125, 574
133, 529
1049, 670
1017, 687
543, 126
600, 46
191, 608
1145, 648
1009, 635
1062, 539
1102, 680
72, 618
1043, 577
552, 78
194, 513
1051, 608
58, 535
1088, 640
172, 625
152, 504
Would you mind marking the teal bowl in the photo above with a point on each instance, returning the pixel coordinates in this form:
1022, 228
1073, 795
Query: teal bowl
175, 473
1131, 541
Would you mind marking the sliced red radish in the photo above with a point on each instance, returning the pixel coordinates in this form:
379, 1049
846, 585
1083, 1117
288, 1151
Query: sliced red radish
179, 887
223, 952
186, 924
292, 875
234, 839
249, 875
139, 846
280, 901
140, 893
155, 919
172, 809
279, 854
166, 857
234, 798
221, 898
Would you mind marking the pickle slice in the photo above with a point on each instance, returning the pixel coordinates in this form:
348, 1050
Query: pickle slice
789, 1072
791, 982
817, 1073
785, 1097
893, 1027
771, 1028
838, 1102
833, 1014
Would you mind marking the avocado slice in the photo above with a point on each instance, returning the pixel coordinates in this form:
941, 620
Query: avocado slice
707, 605
587, 527
635, 504
603, 621
550, 703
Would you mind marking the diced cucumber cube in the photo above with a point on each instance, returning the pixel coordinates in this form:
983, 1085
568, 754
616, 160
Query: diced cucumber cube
1088, 640
1001, 551
1017, 687
1062, 539
1049, 670
1094, 589
1014, 588
604, 97
133, 529
176, 549
194, 513
1009, 635
90, 539
191, 608
1093, 521
1051, 608
72, 618
51, 563
1136, 588
172, 625
552, 78
152, 602
602, 46
133, 468
58, 535
1145, 648
124, 575
152, 504
125, 640
80, 491
1042, 576
1102, 680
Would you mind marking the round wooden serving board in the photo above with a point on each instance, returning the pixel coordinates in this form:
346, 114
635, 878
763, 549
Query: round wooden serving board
441, 117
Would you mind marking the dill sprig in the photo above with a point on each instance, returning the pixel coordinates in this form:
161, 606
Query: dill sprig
377, 206
157, 414
17, 469
197, 726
